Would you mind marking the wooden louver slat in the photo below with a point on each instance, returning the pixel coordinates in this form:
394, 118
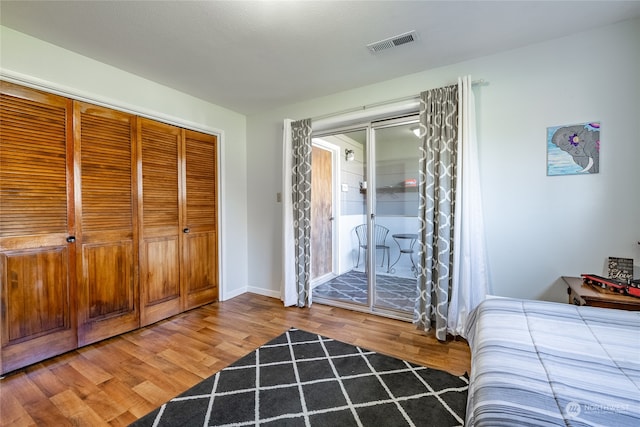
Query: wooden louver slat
201, 179
160, 177
106, 173
32, 167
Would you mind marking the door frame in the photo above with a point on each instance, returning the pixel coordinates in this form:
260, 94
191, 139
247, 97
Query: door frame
370, 128
335, 205
372, 207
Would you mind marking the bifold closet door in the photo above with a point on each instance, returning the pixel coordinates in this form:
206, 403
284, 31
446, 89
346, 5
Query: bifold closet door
106, 217
200, 243
38, 303
160, 190
108, 222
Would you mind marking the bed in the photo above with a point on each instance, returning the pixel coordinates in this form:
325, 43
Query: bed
538, 363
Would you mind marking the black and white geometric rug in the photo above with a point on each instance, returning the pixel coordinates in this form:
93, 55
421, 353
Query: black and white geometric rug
304, 379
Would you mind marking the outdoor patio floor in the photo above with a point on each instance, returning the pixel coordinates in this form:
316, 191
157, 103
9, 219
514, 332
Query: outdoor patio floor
392, 291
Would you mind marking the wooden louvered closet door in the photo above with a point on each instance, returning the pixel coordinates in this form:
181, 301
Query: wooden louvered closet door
106, 218
36, 219
199, 219
160, 218
108, 222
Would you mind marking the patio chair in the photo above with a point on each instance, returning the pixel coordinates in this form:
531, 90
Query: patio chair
380, 239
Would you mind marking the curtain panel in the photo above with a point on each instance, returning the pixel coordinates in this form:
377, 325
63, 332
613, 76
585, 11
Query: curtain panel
471, 278
297, 213
437, 186
452, 277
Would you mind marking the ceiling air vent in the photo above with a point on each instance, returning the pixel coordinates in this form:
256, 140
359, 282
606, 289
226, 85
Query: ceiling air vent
394, 41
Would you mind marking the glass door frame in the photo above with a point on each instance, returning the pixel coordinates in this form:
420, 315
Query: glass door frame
370, 214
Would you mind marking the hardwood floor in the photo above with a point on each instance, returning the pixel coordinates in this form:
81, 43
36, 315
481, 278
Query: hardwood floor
116, 381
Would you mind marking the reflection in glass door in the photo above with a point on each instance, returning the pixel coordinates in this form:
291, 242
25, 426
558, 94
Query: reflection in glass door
376, 220
395, 171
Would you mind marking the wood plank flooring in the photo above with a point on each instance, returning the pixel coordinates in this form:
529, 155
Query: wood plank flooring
116, 381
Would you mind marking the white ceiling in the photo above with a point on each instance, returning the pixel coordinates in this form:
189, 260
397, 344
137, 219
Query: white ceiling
250, 56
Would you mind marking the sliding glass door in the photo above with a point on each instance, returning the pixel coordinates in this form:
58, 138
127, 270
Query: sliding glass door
395, 209
375, 220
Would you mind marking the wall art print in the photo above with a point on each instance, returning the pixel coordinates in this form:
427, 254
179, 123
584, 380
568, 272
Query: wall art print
573, 149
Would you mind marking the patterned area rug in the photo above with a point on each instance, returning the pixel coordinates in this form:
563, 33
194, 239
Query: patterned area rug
304, 379
391, 291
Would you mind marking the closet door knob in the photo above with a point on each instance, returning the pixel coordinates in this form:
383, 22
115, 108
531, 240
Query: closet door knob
71, 239
186, 230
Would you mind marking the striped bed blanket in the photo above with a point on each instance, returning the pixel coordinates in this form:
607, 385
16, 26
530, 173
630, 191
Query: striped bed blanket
538, 363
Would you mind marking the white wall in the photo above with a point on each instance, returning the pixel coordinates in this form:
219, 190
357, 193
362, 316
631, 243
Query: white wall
34, 62
538, 228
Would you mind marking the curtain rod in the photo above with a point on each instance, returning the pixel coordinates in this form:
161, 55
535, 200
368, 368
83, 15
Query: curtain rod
366, 107
480, 82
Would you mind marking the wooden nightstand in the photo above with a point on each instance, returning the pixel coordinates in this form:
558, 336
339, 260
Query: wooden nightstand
580, 294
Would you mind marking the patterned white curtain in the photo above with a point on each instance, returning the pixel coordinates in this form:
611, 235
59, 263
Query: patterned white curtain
449, 200
297, 213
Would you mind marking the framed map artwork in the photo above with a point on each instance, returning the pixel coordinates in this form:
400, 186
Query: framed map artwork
573, 149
